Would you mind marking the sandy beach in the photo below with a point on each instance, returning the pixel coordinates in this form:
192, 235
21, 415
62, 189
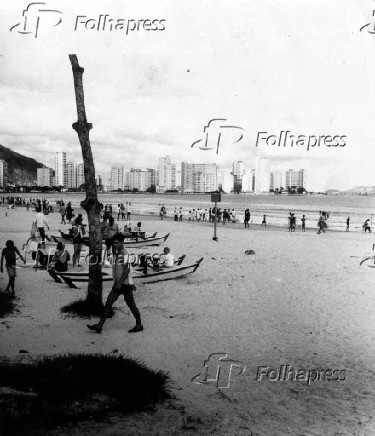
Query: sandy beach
301, 300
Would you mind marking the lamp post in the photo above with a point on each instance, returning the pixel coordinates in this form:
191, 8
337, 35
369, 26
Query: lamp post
215, 198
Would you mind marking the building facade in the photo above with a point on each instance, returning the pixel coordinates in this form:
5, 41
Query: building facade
80, 175
167, 174
295, 178
262, 175
198, 177
238, 172
276, 181
3, 173
60, 169
117, 178
71, 175
45, 177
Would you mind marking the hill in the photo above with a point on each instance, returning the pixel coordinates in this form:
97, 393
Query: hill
362, 190
22, 170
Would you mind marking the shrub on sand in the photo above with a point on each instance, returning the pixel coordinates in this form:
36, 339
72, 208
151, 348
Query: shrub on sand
63, 386
7, 305
84, 309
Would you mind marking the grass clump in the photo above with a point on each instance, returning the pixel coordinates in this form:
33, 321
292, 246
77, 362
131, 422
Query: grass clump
85, 309
65, 387
7, 305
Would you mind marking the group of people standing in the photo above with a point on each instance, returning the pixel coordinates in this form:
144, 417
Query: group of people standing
224, 216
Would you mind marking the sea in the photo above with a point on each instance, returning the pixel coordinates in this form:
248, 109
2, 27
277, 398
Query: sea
275, 207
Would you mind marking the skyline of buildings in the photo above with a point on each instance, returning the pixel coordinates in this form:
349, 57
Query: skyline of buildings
169, 176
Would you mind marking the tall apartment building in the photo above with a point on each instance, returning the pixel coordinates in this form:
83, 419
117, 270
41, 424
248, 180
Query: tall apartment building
138, 179
295, 178
3, 173
225, 180
248, 181
80, 175
238, 172
117, 178
99, 181
153, 176
45, 177
71, 175
198, 177
262, 175
276, 180
107, 182
167, 174
141, 178
60, 168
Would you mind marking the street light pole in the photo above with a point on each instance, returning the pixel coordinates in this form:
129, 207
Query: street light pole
215, 238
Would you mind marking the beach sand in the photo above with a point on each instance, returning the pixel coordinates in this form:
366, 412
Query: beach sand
301, 300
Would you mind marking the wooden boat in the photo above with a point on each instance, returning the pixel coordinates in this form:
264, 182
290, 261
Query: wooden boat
148, 241
128, 242
139, 276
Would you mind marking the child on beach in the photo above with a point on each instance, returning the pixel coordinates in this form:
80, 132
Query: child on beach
264, 222
9, 254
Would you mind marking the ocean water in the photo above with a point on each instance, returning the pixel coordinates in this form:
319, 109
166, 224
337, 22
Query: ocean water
275, 207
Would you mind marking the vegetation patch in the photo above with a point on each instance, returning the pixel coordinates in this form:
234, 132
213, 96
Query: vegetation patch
84, 309
7, 304
58, 389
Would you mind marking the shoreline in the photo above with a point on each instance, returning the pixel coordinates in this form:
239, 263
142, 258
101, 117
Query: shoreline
169, 217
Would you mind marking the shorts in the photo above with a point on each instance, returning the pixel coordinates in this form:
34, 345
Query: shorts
124, 289
127, 292
11, 270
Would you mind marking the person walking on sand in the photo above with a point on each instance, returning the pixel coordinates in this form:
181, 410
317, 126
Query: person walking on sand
293, 219
9, 254
40, 221
162, 212
290, 222
366, 226
264, 222
322, 222
180, 214
347, 224
303, 219
62, 213
247, 218
122, 285
122, 207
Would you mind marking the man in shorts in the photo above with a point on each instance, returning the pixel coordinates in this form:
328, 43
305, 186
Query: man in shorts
9, 254
122, 285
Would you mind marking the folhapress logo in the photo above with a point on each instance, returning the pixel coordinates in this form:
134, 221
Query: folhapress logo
36, 17
219, 370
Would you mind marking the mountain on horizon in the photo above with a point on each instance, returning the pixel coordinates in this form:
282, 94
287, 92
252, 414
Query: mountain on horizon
22, 170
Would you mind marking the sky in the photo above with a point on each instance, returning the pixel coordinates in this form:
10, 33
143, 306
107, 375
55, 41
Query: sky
301, 66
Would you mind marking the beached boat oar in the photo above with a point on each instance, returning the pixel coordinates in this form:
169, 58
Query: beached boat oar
139, 277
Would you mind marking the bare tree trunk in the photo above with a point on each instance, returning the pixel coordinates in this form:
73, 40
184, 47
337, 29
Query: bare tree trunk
91, 203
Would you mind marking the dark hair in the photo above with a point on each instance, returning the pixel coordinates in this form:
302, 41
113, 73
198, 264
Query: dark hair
9, 244
111, 219
139, 224
60, 246
118, 237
